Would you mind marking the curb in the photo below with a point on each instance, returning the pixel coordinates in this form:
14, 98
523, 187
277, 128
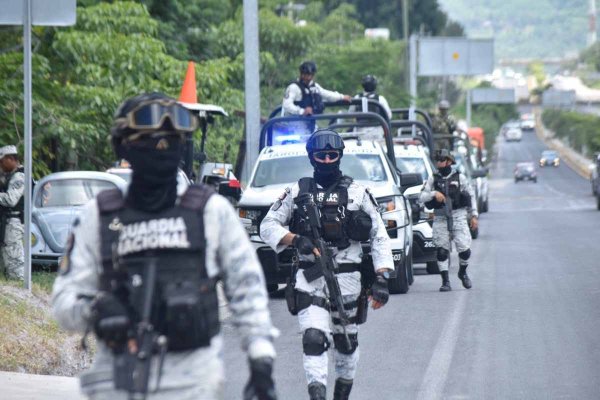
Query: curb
573, 159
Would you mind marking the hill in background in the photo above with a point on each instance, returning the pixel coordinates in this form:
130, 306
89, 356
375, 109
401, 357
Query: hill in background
525, 28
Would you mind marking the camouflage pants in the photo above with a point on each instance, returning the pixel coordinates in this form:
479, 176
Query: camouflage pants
461, 237
13, 256
315, 367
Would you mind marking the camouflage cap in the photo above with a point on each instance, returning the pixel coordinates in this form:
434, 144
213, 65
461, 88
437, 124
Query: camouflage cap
6, 150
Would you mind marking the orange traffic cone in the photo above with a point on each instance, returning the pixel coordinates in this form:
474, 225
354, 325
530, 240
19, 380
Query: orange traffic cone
189, 93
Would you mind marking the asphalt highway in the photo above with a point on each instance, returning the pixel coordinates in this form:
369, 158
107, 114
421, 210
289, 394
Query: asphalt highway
529, 328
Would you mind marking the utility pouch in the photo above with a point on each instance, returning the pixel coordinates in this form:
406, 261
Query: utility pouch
192, 315
313, 273
362, 307
359, 225
465, 199
332, 226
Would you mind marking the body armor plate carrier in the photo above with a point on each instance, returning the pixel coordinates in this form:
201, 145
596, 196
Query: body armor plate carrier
185, 305
460, 198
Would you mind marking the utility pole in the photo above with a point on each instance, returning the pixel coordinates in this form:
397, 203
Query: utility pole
404, 5
252, 85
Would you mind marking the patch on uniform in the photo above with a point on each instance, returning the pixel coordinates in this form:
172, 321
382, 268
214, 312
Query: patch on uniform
64, 266
279, 201
372, 197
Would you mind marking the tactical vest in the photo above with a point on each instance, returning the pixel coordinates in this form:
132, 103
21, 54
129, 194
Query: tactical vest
18, 210
185, 306
311, 97
337, 222
373, 108
459, 198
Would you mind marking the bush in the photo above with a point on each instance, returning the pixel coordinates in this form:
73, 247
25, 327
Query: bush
582, 131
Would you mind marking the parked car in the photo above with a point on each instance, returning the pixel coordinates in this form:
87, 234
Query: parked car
549, 157
525, 171
57, 201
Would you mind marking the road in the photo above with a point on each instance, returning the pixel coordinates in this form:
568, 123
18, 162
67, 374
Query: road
527, 330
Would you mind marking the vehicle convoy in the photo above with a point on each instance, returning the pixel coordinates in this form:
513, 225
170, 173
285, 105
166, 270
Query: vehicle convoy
56, 203
413, 156
281, 165
525, 171
549, 157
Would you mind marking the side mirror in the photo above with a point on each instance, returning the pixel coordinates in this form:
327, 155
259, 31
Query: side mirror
410, 180
415, 209
231, 188
480, 173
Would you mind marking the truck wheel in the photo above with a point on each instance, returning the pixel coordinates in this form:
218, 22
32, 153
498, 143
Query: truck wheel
432, 268
409, 269
486, 206
272, 287
399, 284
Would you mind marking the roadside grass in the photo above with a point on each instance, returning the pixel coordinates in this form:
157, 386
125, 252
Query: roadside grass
31, 341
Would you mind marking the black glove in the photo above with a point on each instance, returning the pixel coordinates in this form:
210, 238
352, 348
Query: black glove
110, 319
260, 385
379, 290
303, 244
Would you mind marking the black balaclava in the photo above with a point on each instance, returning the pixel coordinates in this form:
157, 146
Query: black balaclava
445, 171
326, 174
154, 180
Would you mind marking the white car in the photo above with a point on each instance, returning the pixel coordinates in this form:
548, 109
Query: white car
280, 166
513, 134
412, 157
527, 122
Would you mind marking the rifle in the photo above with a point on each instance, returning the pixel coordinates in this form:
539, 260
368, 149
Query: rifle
448, 212
132, 366
324, 261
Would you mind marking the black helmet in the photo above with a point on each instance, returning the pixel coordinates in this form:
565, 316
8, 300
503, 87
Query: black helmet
369, 83
308, 67
443, 155
324, 139
163, 113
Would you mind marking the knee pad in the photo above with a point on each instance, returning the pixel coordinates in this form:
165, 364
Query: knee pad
442, 254
314, 342
464, 255
340, 343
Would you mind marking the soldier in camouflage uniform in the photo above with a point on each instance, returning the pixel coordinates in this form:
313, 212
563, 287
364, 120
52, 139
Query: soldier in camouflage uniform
320, 324
443, 123
190, 242
463, 206
11, 209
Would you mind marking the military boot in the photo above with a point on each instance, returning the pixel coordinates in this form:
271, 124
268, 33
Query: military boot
445, 282
342, 389
317, 391
462, 275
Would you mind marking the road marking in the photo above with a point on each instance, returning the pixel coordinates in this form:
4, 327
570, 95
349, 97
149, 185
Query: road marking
432, 385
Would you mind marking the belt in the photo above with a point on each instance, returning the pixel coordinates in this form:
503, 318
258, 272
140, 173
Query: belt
337, 321
342, 268
305, 300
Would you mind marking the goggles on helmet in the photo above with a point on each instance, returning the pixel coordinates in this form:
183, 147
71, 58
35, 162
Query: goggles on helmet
333, 155
153, 114
320, 142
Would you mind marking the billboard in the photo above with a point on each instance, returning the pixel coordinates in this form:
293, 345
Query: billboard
558, 98
43, 12
493, 96
447, 56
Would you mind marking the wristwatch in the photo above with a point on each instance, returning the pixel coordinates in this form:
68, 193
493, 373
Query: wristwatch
385, 275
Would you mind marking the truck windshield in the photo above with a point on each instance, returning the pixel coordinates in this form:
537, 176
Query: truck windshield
412, 165
361, 167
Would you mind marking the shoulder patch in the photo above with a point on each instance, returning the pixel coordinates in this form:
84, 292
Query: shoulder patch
372, 198
281, 198
65, 263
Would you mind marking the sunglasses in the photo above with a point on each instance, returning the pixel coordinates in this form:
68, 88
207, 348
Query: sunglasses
322, 155
153, 114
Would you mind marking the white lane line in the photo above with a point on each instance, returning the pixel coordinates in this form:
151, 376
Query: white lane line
434, 380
